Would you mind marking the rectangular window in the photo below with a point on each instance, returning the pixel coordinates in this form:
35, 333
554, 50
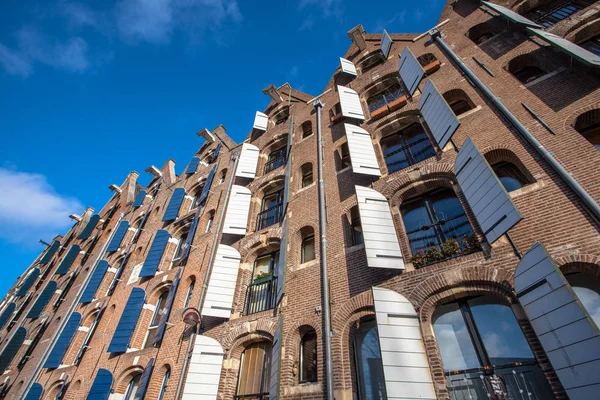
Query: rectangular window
308, 249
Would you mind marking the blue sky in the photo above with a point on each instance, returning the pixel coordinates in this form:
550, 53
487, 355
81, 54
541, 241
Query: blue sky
90, 91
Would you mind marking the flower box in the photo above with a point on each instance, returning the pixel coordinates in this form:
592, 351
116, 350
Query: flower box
432, 67
397, 104
380, 112
262, 279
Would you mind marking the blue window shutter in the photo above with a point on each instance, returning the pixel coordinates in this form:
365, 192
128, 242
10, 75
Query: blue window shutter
8, 311
155, 253
411, 71
35, 392
42, 300
94, 283
193, 165
438, 115
68, 260
162, 324
29, 280
128, 321
64, 340
139, 199
174, 204
50, 252
206, 188
89, 228
117, 238
144, 381
216, 153
100, 389
12, 347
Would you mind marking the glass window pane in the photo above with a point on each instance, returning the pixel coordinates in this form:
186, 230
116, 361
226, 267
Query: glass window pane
417, 223
308, 249
449, 211
454, 342
308, 357
369, 368
262, 265
587, 289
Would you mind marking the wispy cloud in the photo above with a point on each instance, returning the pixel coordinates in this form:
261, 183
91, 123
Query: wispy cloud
30, 208
382, 24
319, 9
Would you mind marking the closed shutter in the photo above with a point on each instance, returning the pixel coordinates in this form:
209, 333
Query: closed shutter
379, 232
155, 253
350, 103
8, 311
162, 323
193, 165
410, 70
386, 44
101, 387
216, 152
236, 219
438, 115
405, 364
89, 294
68, 260
89, 228
565, 329
144, 381
206, 187
139, 199
204, 373
221, 287
174, 204
128, 321
28, 282
117, 238
275, 367
35, 392
261, 121
248, 161
12, 348
42, 300
50, 252
62, 343
491, 204
362, 153
347, 66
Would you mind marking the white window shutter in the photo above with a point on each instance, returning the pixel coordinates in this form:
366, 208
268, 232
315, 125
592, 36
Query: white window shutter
238, 209
204, 373
379, 232
362, 153
386, 44
261, 121
248, 161
405, 364
350, 103
221, 287
347, 66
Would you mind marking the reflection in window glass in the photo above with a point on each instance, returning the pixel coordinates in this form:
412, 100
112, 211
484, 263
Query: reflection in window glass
132, 388
308, 357
406, 147
587, 289
368, 359
453, 339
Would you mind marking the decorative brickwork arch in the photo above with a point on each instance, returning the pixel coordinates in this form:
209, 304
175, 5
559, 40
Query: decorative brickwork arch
126, 374
52, 390
291, 342
497, 154
400, 120
240, 335
583, 31
417, 181
572, 119
256, 241
585, 263
295, 243
90, 315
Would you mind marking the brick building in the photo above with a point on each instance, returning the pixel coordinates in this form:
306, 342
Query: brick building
460, 183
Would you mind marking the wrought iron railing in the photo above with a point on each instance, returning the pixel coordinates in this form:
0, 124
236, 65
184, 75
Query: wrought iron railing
275, 163
261, 296
270, 216
386, 97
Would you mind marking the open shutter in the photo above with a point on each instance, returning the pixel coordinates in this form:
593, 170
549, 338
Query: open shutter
162, 323
62, 343
379, 232
510, 15
88, 338
282, 262
35, 392
275, 367
101, 387
89, 294
350, 103
204, 373
190, 238
28, 282
438, 115
206, 187
8, 311
12, 348
236, 219
386, 44
362, 153
261, 121
566, 331
347, 66
410, 70
248, 161
174, 204
193, 165
144, 381
117, 238
50, 252
405, 365
568, 47
68, 260
89, 228
155, 253
42, 300
139, 199
221, 287
491, 204
128, 321
216, 152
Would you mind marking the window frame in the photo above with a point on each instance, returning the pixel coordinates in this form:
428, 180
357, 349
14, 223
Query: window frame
164, 384
301, 366
305, 240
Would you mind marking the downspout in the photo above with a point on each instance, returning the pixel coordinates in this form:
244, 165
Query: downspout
324, 275
592, 205
213, 252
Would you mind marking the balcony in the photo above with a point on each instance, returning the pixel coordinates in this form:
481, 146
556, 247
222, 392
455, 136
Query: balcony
270, 216
261, 295
275, 163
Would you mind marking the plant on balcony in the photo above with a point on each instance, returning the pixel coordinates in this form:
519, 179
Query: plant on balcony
470, 243
262, 277
450, 248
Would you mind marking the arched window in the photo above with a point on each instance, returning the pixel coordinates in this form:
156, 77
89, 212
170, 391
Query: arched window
282, 116
308, 244
389, 91
429, 62
307, 174
164, 384
406, 147
552, 12
253, 379
88, 337
196, 196
306, 129
369, 368
180, 249
132, 388
189, 294
526, 68
458, 101
588, 125
510, 176
587, 289
308, 357
159, 310
482, 32
356, 236
343, 157
209, 221
222, 176
276, 159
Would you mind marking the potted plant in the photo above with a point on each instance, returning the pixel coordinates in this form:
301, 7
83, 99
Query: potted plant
418, 259
262, 277
470, 243
450, 248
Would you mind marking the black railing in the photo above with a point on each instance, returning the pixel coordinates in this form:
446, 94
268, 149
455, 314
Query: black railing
270, 216
275, 163
261, 296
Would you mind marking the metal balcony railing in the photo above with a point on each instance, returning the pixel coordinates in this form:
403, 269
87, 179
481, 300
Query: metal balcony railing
269, 216
385, 97
261, 296
275, 163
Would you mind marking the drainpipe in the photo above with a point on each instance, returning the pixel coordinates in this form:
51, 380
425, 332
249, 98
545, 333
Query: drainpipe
324, 276
213, 253
584, 196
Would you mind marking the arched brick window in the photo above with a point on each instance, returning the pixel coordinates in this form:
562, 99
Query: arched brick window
480, 33
407, 146
588, 125
458, 101
254, 372
308, 356
307, 175
307, 250
526, 68
306, 129
429, 62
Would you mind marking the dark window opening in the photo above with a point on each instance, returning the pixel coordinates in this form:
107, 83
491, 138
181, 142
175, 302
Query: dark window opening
528, 73
386, 96
510, 176
308, 357
406, 147
281, 116
276, 159
308, 245
426, 59
460, 107
356, 236
271, 211
344, 153
159, 311
592, 45
307, 175
306, 129
180, 246
369, 367
588, 125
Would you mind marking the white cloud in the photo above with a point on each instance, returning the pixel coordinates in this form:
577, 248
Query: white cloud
327, 7
30, 208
